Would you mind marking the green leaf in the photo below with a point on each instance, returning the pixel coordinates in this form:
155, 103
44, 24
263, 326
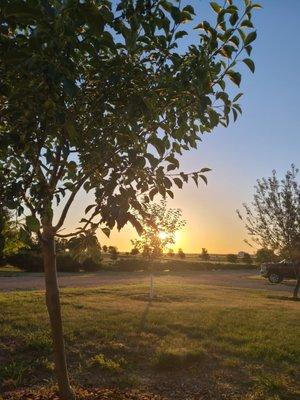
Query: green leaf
247, 23
205, 169
234, 18
203, 177
152, 193
237, 97
215, 6
178, 182
88, 208
106, 231
189, 9
250, 38
250, 64
235, 114
32, 223
180, 34
235, 77
256, 6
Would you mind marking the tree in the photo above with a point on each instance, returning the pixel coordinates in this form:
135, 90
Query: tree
265, 255
170, 253
204, 254
96, 97
247, 259
85, 248
134, 251
10, 238
159, 228
232, 258
273, 218
113, 251
180, 253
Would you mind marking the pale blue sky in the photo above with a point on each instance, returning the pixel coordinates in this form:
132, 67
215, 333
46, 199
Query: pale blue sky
267, 136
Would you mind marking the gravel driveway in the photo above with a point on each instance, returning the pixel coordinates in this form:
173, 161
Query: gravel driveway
239, 279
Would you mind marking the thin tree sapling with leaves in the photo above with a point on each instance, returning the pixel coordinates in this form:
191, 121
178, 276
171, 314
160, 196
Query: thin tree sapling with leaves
96, 96
204, 254
273, 218
159, 228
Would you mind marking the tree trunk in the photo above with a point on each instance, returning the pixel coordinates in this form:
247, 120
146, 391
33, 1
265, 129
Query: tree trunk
53, 306
296, 290
151, 293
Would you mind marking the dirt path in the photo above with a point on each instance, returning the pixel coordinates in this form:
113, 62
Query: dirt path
238, 279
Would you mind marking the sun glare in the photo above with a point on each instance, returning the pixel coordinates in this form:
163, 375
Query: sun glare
163, 235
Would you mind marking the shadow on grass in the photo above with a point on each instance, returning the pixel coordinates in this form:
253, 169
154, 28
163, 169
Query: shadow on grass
143, 320
286, 298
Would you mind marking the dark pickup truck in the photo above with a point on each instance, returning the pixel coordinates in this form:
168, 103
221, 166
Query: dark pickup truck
276, 272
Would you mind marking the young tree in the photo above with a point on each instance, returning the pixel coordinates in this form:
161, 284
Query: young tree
181, 254
95, 96
170, 253
113, 251
247, 259
273, 218
159, 228
204, 254
265, 255
134, 251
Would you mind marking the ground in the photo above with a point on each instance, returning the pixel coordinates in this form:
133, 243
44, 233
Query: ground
206, 336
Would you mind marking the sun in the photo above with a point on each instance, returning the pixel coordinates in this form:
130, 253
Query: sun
162, 235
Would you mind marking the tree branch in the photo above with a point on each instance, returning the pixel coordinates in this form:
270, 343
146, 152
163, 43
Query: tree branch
69, 202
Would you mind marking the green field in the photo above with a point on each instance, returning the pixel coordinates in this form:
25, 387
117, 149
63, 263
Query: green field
190, 341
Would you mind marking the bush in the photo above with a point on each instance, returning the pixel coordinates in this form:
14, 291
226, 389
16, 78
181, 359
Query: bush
247, 259
33, 262
265, 255
65, 263
130, 265
232, 258
89, 265
113, 251
134, 251
181, 254
29, 262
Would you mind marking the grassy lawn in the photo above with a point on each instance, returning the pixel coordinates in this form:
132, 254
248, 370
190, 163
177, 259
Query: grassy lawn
192, 341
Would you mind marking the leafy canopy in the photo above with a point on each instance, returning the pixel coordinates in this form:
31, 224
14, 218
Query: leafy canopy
95, 94
273, 218
159, 228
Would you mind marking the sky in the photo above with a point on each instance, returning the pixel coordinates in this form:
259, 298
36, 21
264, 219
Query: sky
265, 137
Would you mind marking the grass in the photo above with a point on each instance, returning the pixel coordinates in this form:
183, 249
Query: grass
237, 342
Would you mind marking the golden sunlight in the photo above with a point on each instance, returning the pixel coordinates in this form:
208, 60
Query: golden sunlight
162, 235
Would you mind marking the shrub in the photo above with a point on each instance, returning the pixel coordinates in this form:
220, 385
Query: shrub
247, 259
134, 251
130, 265
232, 258
65, 263
27, 261
113, 251
33, 262
265, 255
181, 254
100, 361
89, 265
170, 253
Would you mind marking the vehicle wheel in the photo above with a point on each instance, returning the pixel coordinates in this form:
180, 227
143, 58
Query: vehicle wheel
275, 278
